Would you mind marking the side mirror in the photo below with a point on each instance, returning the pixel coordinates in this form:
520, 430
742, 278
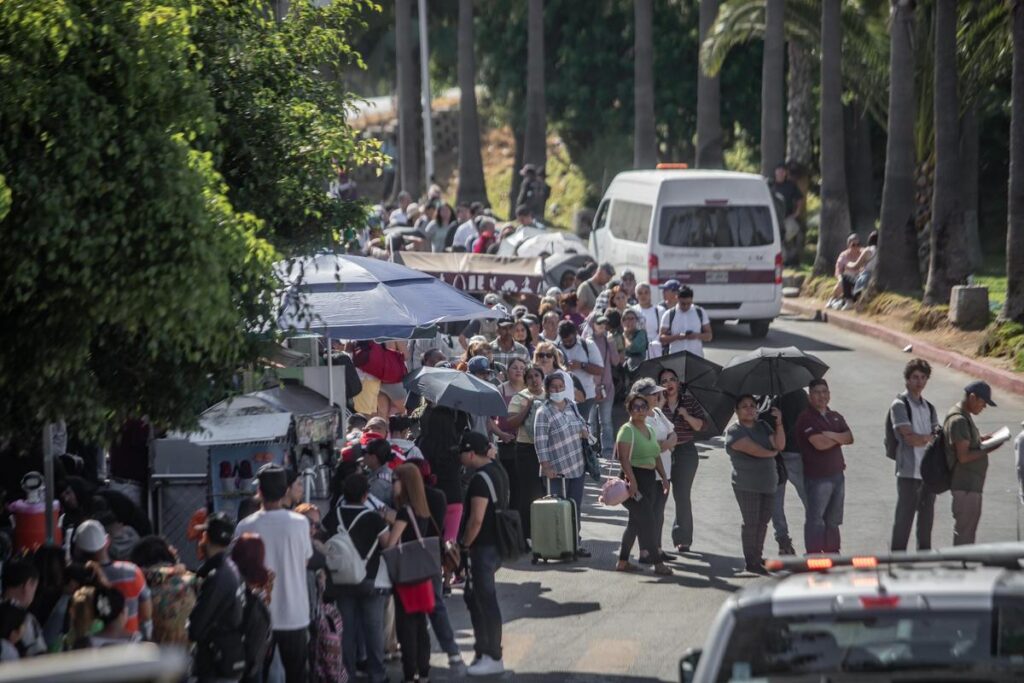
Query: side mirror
688, 665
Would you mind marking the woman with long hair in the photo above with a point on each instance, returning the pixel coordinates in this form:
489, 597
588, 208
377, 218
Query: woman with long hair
522, 413
507, 449
522, 335
437, 229
411, 523
688, 417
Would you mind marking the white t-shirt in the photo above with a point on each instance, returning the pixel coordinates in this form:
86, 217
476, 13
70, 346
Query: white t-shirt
688, 321
590, 355
285, 536
651, 319
661, 427
465, 235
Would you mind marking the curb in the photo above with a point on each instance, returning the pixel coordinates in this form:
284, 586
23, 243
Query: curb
1002, 379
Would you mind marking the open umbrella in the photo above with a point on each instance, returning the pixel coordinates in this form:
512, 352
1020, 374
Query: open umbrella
457, 390
510, 244
701, 379
354, 297
770, 372
552, 242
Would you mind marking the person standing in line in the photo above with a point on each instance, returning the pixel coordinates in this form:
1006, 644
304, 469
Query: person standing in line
479, 540
822, 433
215, 623
604, 397
588, 290
584, 361
967, 460
792, 405
913, 423
649, 315
685, 327
752, 445
20, 582
288, 547
93, 543
688, 418
558, 434
504, 348
522, 410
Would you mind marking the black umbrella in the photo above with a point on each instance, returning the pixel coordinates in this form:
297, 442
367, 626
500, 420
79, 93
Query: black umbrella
770, 372
457, 390
701, 379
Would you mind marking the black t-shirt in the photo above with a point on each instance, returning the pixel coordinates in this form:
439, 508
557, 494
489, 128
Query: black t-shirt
409, 533
789, 193
478, 489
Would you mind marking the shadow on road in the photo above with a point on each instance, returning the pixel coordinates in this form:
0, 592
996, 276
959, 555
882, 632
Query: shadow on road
526, 601
737, 337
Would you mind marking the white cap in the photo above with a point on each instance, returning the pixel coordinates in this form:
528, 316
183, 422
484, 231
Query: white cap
90, 536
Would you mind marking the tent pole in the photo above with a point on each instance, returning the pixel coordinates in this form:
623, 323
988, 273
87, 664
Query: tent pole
330, 373
48, 478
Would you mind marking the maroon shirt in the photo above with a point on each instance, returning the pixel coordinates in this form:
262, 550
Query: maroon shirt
826, 463
684, 432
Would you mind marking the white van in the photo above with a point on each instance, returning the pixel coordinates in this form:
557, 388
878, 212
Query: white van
716, 231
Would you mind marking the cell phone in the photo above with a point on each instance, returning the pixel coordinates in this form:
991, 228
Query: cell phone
638, 496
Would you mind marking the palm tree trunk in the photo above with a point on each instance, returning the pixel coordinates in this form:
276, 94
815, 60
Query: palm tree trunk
859, 178
800, 106
535, 151
645, 141
835, 204
471, 167
408, 97
1013, 308
969, 161
897, 268
709, 107
947, 262
773, 134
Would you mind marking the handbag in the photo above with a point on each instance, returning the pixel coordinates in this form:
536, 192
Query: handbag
591, 463
414, 561
615, 490
417, 598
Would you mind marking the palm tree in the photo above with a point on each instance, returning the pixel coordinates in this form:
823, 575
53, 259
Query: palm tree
897, 239
799, 105
645, 141
1013, 308
948, 261
471, 167
835, 202
709, 115
773, 134
535, 151
408, 111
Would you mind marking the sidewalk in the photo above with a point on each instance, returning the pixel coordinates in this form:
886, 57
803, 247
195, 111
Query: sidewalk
997, 377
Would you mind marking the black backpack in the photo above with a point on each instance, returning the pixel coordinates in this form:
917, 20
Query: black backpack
672, 318
510, 540
892, 442
255, 633
936, 472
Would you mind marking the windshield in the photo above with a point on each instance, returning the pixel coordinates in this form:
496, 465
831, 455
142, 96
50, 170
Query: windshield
715, 226
778, 647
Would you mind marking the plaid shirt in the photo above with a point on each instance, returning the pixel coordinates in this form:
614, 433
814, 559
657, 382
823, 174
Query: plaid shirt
684, 433
556, 435
505, 357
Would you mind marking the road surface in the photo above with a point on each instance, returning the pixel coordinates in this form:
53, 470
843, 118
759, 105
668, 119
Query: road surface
585, 622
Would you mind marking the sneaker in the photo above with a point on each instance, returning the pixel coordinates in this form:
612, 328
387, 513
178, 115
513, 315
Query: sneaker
757, 569
456, 665
486, 666
786, 547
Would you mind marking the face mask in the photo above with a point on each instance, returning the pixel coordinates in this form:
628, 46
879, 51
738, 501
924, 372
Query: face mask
563, 395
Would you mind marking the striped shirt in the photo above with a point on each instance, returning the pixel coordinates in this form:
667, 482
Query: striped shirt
685, 433
556, 435
129, 581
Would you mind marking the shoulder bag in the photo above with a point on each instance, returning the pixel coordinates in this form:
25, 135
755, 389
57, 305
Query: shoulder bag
414, 561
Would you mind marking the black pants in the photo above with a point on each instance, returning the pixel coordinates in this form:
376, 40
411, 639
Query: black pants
642, 519
756, 512
531, 487
684, 469
629, 537
414, 638
912, 499
507, 458
293, 647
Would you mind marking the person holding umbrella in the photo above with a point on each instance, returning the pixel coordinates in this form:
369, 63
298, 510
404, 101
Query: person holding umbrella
689, 419
752, 445
558, 434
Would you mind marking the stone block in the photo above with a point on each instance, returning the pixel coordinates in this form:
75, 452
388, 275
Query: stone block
968, 307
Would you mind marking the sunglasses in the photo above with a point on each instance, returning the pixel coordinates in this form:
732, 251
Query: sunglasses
638, 407
544, 355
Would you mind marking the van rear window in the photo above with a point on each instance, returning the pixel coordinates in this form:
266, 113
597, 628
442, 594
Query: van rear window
715, 226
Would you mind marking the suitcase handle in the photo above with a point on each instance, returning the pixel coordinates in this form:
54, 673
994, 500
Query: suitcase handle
547, 482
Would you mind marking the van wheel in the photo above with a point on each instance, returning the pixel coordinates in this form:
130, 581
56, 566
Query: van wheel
759, 328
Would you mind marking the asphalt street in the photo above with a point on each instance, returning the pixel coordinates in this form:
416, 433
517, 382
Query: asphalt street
585, 622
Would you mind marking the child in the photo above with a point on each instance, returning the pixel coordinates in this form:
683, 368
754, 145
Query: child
98, 618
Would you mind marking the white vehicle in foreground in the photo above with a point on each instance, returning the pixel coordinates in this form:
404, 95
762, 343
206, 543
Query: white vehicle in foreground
715, 231
951, 615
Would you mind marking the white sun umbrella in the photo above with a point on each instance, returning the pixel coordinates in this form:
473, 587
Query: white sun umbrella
552, 242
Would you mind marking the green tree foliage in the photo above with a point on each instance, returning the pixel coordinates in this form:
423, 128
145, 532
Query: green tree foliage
129, 280
281, 113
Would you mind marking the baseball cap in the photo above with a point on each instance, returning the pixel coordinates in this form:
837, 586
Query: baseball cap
646, 387
90, 536
478, 364
982, 390
601, 320
506, 322
531, 319
273, 481
473, 441
672, 285
492, 299
219, 527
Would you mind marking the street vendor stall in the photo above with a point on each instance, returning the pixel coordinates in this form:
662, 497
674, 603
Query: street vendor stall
514, 278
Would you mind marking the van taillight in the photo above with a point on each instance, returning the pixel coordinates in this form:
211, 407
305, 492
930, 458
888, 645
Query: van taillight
652, 270
778, 268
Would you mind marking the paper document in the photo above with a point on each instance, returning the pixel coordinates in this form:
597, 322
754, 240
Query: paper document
998, 438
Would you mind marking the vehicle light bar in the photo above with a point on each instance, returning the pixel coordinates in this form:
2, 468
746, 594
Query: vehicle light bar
672, 166
867, 562
1009, 555
819, 563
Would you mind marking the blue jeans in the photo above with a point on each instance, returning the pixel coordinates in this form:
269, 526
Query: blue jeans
440, 623
364, 615
824, 513
601, 424
795, 474
481, 596
572, 489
